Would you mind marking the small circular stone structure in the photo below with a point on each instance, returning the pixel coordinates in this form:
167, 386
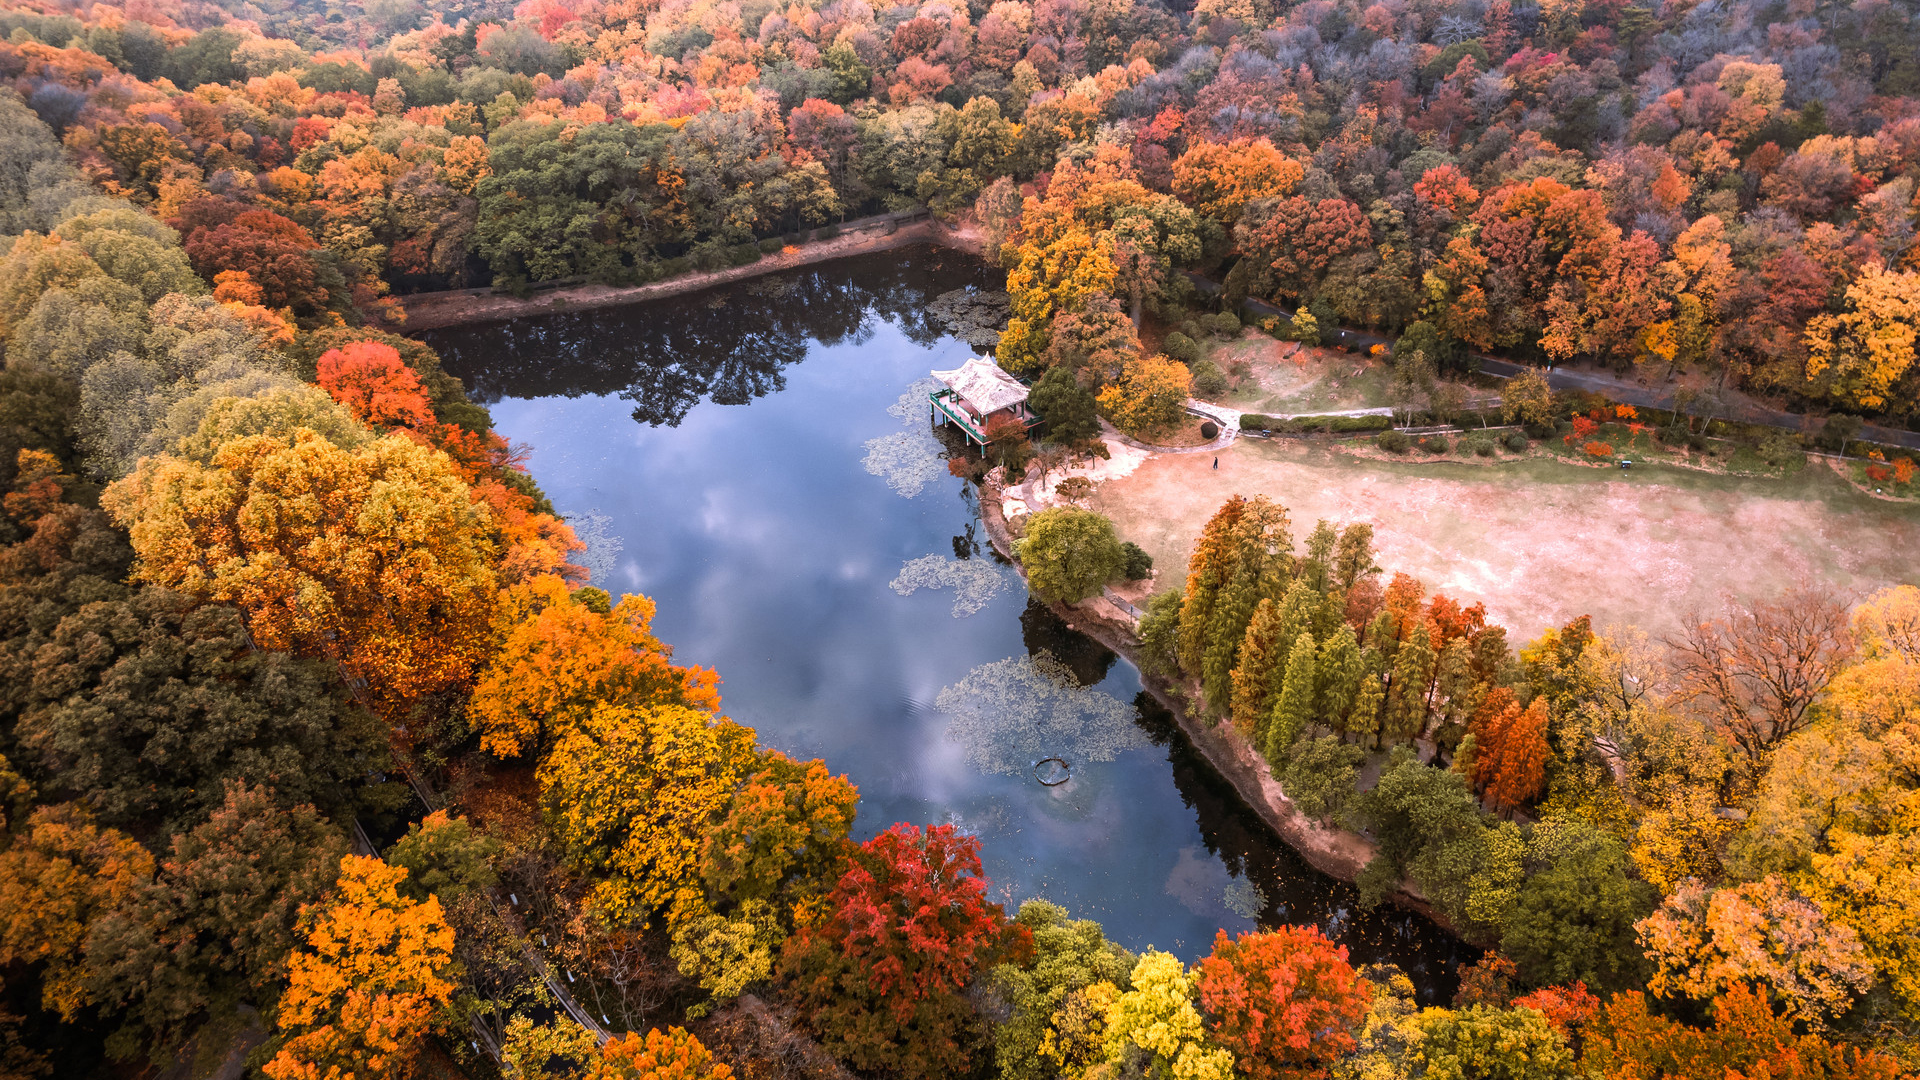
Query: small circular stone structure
1209, 430
1051, 771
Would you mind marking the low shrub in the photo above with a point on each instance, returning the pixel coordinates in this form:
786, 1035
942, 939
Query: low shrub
1225, 324
1181, 348
771, 244
1139, 563
1598, 449
1435, 444
1209, 382
1254, 421
743, 254
1358, 423
1192, 328
1517, 443
1477, 445
1696, 442
1393, 442
827, 232
796, 238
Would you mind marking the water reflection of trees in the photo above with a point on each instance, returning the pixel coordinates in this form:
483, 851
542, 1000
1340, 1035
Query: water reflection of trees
729, 345
1297, 893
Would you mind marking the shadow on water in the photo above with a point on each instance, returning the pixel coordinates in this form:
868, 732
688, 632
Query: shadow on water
727, 345
1293, 892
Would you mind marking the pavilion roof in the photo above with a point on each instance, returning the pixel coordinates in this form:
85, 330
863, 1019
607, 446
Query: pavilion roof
981, 384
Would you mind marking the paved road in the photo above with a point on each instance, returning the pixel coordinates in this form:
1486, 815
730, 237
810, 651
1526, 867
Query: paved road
1614, 387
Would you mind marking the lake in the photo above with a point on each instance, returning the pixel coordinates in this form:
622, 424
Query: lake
758, 459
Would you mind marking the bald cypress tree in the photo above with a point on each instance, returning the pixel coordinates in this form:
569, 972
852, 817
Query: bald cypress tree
1407, 694
1342, 667
1294, 709
1210, 565
1262, 563
1257, 675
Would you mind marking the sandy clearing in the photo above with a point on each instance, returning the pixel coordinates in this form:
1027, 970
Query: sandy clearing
1540, 542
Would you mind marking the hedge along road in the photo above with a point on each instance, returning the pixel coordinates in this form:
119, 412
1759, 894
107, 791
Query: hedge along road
1593, 382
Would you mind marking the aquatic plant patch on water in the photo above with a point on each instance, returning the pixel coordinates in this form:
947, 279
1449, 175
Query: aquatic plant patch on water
975, 316
603, 545
974, 582
908, 460
1014, 712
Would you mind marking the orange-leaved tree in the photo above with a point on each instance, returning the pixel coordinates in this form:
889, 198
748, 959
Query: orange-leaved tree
1748, 1041
1510, 749
375, 557
377, 385
62, 873
1285, 1001
559, 653
364, 989
371, 380
675, 1055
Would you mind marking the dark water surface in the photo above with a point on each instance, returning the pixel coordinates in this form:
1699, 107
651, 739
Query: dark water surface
732, 455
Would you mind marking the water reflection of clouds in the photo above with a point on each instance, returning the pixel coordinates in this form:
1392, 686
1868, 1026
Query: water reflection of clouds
770, 551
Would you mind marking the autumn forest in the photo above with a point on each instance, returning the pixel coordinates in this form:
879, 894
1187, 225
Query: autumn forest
323, 755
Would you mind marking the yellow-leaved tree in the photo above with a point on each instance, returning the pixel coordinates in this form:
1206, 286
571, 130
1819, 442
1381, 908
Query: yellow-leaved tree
1855, 357
562, 652
633, 791
363, 990
1149, 397
1157, 1018
374, 557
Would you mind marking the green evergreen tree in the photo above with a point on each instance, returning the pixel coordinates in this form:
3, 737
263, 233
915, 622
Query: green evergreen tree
1456, 689
1294, 710
1353, 559
1383, 634
1261, 550
1363, 721
1407, 694
1160, 635
1257, 675
1318, 567
1211, 564
1342, 667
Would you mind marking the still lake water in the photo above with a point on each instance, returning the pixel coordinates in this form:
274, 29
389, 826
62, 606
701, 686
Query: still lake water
758, 460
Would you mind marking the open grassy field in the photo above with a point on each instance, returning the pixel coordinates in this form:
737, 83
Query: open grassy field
1538, 540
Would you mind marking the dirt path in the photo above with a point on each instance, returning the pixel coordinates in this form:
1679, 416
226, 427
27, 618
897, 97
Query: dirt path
1538, 541
433, 311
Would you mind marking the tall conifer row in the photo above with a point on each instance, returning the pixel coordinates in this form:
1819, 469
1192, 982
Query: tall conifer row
1342, 667
1211, 562
1262, 554
1407, 694
1294, 710
1261, 661
1364, 720
1353, 559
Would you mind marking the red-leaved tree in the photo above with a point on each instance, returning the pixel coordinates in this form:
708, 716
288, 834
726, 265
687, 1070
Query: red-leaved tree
375, 385
878, 969
1285, 1001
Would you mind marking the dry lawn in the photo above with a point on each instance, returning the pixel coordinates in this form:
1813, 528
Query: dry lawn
1290, 378
1538, 541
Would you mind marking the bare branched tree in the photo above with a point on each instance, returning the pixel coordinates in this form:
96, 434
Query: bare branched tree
1757, 668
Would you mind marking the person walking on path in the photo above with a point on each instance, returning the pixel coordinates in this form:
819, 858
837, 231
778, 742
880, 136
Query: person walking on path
1216, 462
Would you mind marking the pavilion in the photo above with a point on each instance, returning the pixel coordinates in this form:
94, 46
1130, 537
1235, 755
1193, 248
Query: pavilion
974, 393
